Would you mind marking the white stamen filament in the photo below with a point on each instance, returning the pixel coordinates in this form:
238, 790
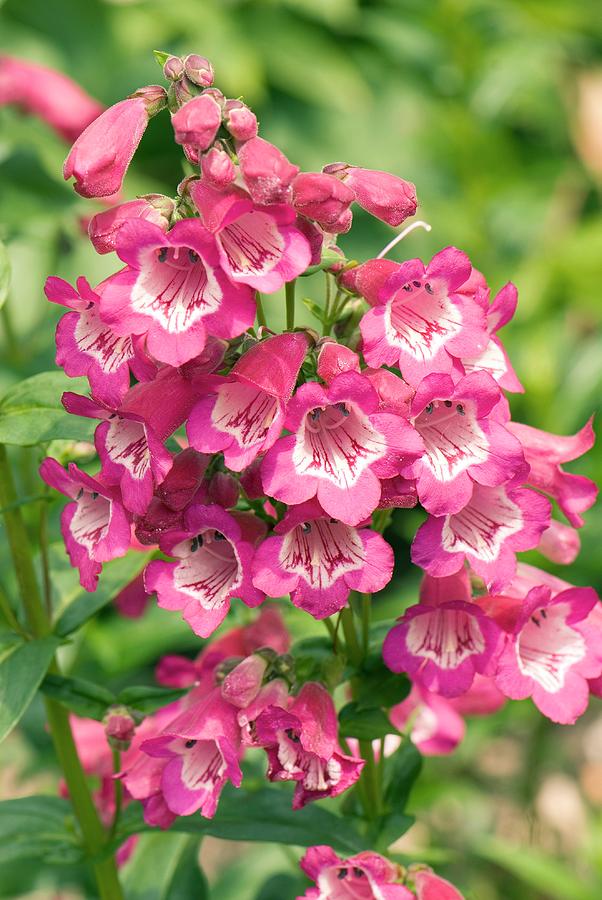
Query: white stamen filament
399, 237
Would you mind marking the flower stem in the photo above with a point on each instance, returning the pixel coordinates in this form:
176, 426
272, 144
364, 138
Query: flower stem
118, 786
354, 651
261, 319
57, 716
366, 614
371, 779
289, 290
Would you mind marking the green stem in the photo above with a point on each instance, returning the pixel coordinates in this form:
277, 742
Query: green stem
371, 779
366, 614
261, 319
46, 583
7, 611
289, 290
57, 715
354, 651
118, 788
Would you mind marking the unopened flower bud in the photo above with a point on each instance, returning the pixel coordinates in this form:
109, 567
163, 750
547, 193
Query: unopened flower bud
266, 171
224, 668
181, 92
196, 122
325, 199
119, 727
217, 167
240, 121
173, 68
154, 96
199, 70
243, 683
104, 227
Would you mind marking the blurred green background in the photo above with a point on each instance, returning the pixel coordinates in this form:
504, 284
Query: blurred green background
494, 109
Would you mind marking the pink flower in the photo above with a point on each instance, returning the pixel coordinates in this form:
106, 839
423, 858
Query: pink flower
435, 726
339, 448
243, 415
217, 168
50, 95
240, 121
445, 639
132, 600
545, 452
258, 245
200, 749
381, 194
214, 560
196, 122
104, 226
95, 525
85, 345
335, 358
365, 876
463, 441
266, 171
560, 543
551, 651
173, 291
323, 198
420, 321
496, 522
493, 358
102, 153
302, 746
319, 560
429, 886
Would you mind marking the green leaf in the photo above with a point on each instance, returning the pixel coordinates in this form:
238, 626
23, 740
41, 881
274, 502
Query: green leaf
314, 308
83, 605
147, 699
402, 770
161, 56
390, 828
36, 828
378, 681
84, 698
21, 672
315, 661
4, 274
31, 411
329, 258
165, 867
366, 724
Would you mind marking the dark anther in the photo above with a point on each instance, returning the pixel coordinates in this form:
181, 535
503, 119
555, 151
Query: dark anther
292, 736
306, 527
416, 283
342, 408
315, 414
428, 288
429, 408
80, 494
162, 254
94, 495
334, 521
407, 287
113, 416
358, 872
189, 744
90, 305
535, 621
460, 409
543, 613
218, 536
342, 873
195, 544
447, 403
192, 256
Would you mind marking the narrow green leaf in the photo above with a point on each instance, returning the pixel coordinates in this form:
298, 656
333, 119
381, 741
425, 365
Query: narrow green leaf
366, 724
21, 672
4, 274
36, 828
402, 770
147, 699
31, 411
165, 867
314, 308
378, 681
84, 698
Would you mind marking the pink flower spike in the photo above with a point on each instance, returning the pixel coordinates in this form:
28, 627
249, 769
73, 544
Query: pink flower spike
496, 522
196, 123
50, 95
302, 746
95, 525
545, 452
429, 886
422, 323
213, 565
323, 198
556, 645
319, 560
173, 291
266, 171
367, 876
101, 155
258, 245
463, 443
435, 726
104, 226
383, 195
339, 448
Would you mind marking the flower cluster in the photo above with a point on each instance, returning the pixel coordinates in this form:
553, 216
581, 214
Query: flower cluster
266, 464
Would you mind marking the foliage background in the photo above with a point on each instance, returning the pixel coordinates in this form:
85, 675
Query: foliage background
494, 109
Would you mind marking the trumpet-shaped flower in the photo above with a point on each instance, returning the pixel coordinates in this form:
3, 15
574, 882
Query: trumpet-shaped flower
365, 876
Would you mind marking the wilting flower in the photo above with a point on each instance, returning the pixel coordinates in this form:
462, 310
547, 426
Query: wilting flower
318, 560
445, 639
95, 526
495, 523
214, 559
301, 744
365, 876
545, 452
173, 291
243, 414
420, 322
464, 441
85, 345
339, 448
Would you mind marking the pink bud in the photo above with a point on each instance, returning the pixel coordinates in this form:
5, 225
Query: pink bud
243, 683
50, 95
334, 358
217, 168
240, 121
429, 886
266, 171
119, 727
132, 599
368, 278
560, 543
223, 489
173, 68
273, 365
199, 70
323, 198
104, 226
197, 122
183, 479
101, 155
381, 194
154, 96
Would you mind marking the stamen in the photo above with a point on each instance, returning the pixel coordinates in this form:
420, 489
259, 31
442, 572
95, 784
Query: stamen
80, 494
94, 495
460, 409
193, 256
292, 736
341, 874
543, 613
162, 255
334, 521
401, 235
536, 621
416, 284
189, 744
306, 527
342, 408
429, 408
447, 403
428, 288
315, 414
218, 536
358, 872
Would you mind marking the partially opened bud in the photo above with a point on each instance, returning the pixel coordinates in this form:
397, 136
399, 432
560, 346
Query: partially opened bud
119, 727
199, 70
173, 68
560, 543
368, 278
267, 172
243, 683
323, 198
240, 121
105, 226
154, 96
383, 195
217, 167
334, 358
196, 122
